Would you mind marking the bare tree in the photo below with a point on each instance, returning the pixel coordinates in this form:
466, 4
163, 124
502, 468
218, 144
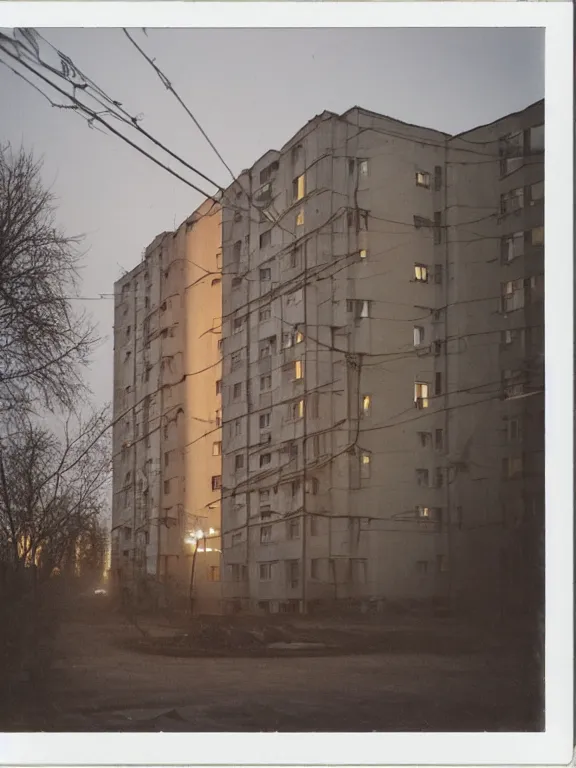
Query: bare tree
43, 346
52, 491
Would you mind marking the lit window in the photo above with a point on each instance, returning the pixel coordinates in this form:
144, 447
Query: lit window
423, 180
537, 236
421, 395
298, 369
298, 337
265, 534
217, 449
299, 187
265, 274
421, 273
300, 218
365, 464
366, 404
363, 167
363, 253
423, 512
418, 335
297, 410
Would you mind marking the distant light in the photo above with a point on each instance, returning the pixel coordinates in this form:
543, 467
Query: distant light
211, 530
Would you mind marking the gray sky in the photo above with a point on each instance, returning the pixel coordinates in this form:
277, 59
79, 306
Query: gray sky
251, 90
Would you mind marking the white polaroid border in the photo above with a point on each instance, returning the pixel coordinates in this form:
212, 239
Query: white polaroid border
555, 745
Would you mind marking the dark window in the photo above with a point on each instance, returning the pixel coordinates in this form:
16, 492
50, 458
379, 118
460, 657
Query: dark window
437, 177
438, 384
265, 238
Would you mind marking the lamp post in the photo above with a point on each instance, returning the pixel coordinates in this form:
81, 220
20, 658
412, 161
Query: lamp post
193, 539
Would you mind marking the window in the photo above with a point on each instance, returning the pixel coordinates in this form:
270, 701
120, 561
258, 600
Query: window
219, 387
265, 274
298, 370
512, 295
238, 325
425, 439
265, 313
265, 238
423, 477
536, 139
366, 405
293, 451
264, 496
437, 227
236, 539
298, 337
238, 462
360, 308
314, 525
438, 383
265, 383
421, 273
511, 152
286, 340
299, 187
418, 335
422, 566
237, 391
537, 236
217, 448
513, 384
315, 569
267, 347
438, 274
265, 534
293, 572
300, 218
166, 487
264, 569
365, 464
236, 282
214, 573
423, 180
235, 360
437, 177
512, 467
512, 201
297, 410
513, 430
439, 439
236, 253
420, 222
216, 281
441, 563
239, 572
295, 486
512, 247
358, 571
363, 167
294, 298
265, 459
264, 420
536, 192
218, 418
220, 345
313, 486
421, 395
363, 253
237, 427
267, 173
293, 529
216, 482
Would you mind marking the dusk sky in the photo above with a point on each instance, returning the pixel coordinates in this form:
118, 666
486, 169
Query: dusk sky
251, 90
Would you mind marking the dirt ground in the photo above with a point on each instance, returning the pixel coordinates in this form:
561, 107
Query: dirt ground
97, 684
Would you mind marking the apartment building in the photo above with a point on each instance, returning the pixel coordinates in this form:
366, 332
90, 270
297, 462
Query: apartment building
166, 437
381, 402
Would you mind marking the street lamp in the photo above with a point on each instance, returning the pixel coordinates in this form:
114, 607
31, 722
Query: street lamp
193, 538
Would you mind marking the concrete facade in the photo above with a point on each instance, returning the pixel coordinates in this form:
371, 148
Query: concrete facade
373, 389
166, 436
